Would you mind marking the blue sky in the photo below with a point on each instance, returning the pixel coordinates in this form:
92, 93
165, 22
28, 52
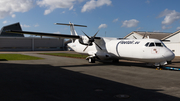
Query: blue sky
115, 17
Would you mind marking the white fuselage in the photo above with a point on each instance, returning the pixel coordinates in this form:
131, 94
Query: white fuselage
136, 50
145, 50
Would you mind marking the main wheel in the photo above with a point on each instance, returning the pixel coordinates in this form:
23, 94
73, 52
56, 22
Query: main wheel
91, 60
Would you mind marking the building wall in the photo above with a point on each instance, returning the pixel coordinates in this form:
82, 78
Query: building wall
174, 44
175, 38
175, 47
18, 43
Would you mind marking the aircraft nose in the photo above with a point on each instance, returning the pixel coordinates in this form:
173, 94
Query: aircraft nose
169, 55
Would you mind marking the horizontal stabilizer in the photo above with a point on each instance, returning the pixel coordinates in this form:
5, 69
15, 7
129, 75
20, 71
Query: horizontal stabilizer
70, 24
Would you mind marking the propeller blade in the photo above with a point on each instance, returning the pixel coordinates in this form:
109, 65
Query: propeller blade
95, 34
86, 35
85, 48
98, 46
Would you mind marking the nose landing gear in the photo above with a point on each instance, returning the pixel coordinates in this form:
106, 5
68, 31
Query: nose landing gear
159, 68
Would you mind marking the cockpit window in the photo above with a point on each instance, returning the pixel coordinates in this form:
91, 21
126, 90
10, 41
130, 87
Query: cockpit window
159, 44
151, 44
147, 44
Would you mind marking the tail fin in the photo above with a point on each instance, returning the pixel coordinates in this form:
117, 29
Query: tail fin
73, 31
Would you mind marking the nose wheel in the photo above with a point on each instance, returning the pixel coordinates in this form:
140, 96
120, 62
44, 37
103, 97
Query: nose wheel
159, 68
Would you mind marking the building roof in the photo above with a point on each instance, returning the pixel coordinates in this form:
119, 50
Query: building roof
156, 35
171, 35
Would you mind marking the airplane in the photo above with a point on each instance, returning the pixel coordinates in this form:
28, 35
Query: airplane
151, 51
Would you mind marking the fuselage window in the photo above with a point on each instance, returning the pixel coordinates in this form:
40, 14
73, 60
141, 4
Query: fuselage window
159, 44
151, 44
147, 44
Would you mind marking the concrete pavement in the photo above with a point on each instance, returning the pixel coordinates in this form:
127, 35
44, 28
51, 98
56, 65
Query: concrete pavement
69, 79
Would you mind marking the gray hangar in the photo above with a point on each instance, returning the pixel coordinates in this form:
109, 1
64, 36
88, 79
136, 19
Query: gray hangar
17, 42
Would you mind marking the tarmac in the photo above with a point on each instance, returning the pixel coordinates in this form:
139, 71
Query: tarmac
69, 79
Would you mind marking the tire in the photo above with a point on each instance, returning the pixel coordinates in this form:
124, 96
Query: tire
91, 60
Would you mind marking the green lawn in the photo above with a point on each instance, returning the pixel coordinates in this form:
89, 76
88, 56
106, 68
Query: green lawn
67, 55
7, 57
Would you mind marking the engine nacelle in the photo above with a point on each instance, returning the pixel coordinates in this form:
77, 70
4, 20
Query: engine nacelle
84, 40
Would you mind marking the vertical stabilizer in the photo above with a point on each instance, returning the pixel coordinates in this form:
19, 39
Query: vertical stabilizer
73, 31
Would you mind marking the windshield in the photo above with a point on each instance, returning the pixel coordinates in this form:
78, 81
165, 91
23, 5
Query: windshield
156, 44
163, 44
159, 44
151, 44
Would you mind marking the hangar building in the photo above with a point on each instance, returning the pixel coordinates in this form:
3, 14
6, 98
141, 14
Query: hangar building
17, 42
171, 40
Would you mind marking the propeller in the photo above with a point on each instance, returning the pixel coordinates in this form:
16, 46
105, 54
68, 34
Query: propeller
91, 40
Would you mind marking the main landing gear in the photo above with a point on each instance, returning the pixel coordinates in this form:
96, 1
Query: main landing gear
91, 60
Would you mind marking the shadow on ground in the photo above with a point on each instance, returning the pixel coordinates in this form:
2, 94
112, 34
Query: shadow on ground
3, 60
20, 82
127, 64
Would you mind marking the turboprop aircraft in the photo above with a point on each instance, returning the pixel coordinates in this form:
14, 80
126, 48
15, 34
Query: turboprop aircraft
151, 51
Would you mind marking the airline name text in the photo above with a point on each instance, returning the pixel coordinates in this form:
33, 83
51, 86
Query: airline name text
129, 42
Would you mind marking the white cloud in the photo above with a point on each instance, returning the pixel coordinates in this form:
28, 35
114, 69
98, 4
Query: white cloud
139, 28
13, 15
178, 28
92, 4
130, 23
57, 32
54, 4
63, 12
170, 16
71, 8
80, 1
156, 31
9, 7
4, 22
164, 13
36, 25
147, 1
115, 20
164, 27
25, 26
102, 26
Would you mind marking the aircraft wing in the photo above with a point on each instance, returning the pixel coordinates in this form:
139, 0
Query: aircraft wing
45, 34
48, 34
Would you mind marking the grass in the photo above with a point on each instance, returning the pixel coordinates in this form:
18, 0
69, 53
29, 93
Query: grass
7, 57
80, 56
